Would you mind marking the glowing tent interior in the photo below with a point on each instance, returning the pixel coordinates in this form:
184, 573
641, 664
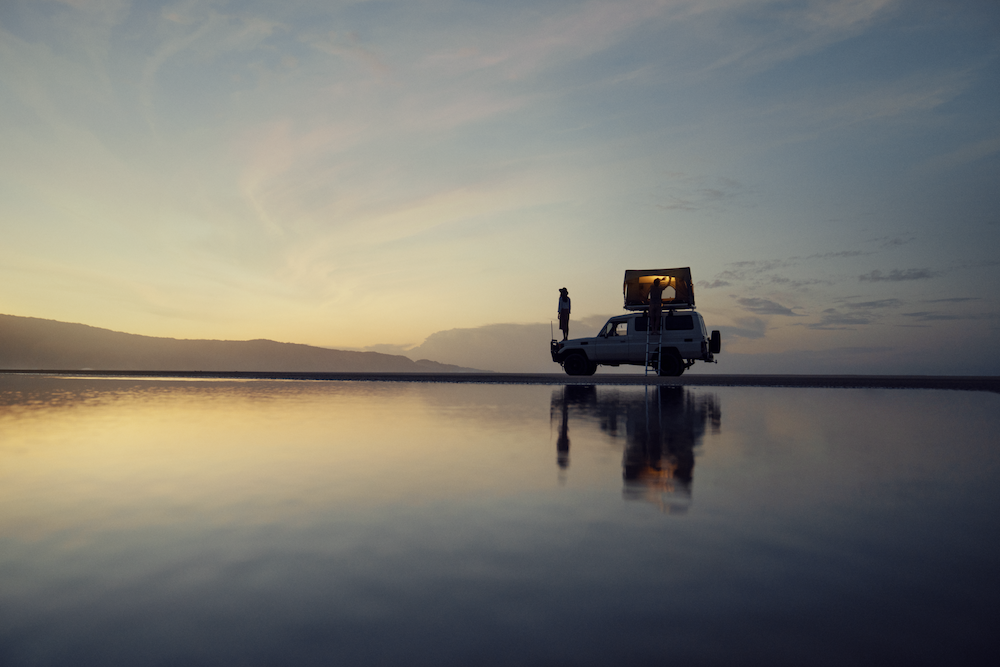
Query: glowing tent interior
679, 292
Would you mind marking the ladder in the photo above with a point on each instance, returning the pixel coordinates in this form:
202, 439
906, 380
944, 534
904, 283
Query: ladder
652, 345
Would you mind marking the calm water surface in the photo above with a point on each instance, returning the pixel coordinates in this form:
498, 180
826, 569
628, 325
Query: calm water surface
316, 523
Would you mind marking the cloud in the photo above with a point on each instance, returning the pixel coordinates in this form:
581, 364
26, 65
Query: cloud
935, 316
970, 152
887, 242
750, 270
505, 348
876, 305
209, 36
786, 32
755, 270
764, 306
896, 275
842, 253
833, 319
713, 284
387, 348
859, 313
569, 34
747, 327
797, 284
348, 46
690, 193
759, 265
957, 299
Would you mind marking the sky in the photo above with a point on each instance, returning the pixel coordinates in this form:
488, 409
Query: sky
421, 177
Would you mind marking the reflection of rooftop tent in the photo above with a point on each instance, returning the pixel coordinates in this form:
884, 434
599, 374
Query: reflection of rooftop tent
638, 282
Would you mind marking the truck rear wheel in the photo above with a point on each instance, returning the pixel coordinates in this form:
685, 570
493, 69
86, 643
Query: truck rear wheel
577, 364
670, 364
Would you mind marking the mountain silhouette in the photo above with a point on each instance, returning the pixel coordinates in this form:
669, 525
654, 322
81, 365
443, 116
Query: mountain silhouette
30, 343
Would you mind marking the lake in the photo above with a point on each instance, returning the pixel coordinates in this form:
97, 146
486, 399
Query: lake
167, 522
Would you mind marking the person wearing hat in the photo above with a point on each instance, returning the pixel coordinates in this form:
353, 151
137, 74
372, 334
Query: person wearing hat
564, 312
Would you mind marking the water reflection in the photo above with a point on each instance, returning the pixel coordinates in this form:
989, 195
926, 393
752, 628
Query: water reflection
661, 427
317, 523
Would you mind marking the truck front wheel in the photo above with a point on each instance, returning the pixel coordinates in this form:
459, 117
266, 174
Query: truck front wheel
577, 364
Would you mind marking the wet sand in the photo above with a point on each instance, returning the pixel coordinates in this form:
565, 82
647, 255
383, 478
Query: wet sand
966, 383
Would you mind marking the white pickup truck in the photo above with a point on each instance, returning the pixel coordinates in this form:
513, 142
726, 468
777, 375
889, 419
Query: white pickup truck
683, 337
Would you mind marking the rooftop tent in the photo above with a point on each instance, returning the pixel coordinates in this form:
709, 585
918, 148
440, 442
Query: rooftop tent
638, 282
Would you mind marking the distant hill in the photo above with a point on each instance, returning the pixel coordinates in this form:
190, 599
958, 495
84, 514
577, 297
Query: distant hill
30, 343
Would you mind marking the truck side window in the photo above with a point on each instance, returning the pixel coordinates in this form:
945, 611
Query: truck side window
678, 323
670, 323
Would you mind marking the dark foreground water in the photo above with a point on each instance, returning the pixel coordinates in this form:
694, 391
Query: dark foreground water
327, 523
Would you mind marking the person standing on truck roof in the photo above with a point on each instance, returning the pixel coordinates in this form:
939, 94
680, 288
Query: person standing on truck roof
655, 305
564, 312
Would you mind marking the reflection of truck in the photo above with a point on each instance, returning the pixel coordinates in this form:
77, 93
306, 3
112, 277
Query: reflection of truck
628, 338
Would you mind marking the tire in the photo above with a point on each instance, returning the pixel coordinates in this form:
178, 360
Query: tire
576, 364
591, 368
670, 364
715, 344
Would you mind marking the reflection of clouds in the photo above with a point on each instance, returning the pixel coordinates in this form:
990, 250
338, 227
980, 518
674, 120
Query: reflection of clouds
660, 427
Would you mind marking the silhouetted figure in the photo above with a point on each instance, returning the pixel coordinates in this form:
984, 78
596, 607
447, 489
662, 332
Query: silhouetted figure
655, 305
576, 396
562, 443
564, 305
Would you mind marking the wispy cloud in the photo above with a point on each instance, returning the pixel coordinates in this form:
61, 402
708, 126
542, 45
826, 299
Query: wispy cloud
832, 319
957, 299
713, 284
897, 275
839, 254
880, 304
746, 327
690, 193
853, 314
965, 154
786, 32
348, 46
764, 306
938, 316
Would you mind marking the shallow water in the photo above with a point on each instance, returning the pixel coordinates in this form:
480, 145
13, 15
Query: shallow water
216, 522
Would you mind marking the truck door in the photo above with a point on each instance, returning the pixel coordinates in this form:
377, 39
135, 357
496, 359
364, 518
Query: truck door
637, 339
612, 345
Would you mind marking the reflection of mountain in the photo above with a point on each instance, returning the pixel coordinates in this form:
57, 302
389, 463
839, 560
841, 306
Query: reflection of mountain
661, 426
32, 343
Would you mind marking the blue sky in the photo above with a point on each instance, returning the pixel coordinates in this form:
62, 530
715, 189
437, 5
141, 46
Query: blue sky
356, 174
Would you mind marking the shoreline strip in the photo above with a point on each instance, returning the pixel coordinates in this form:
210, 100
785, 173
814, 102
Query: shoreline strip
965, 383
